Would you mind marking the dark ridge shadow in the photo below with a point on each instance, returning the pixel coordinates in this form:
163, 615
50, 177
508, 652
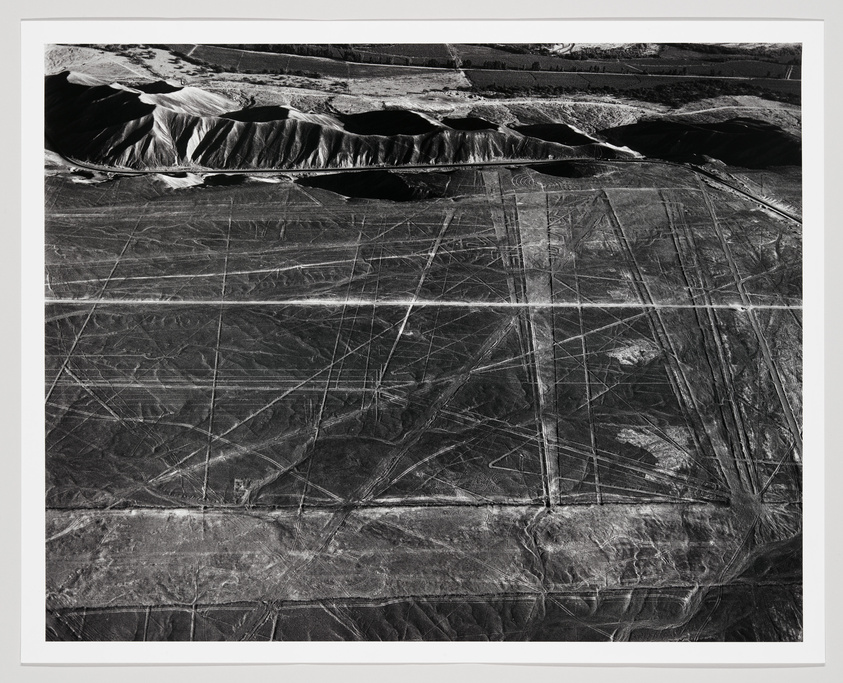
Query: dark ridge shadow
738, 142
79, 108
554, 132
381, 185
568, 169
259, 114
223, 180
469, 123
157, 88
388, 122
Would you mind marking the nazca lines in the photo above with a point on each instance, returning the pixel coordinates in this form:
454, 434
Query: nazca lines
531, 247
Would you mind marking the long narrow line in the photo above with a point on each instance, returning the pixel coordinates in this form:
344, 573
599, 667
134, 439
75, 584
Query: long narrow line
369, 348
551, 351
419, 303
549, 465
434, 329
769, 481
550, 473
587, 379
354, 315
448, 218
318, 421
484, 598
146, 623
216, 364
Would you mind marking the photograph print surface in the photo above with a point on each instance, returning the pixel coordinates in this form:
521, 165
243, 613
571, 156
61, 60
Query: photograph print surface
414, 342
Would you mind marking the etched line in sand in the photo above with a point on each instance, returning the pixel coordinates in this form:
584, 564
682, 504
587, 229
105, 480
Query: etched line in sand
403, 303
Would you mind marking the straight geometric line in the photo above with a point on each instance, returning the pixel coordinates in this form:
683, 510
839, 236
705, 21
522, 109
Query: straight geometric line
414, 302
199, 510
363, 601
279, 605
214, 382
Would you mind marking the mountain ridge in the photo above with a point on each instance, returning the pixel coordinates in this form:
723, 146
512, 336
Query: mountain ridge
164, 126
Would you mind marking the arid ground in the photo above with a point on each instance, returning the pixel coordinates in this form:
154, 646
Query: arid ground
423, 342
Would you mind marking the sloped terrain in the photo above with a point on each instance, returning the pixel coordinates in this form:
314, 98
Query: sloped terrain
552, 393
109, 125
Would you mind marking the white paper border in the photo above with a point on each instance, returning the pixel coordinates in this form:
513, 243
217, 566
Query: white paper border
37, 34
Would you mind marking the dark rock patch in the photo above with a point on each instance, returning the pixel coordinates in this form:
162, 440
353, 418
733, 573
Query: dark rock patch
259, 114
396, 187
739, 142
387, 122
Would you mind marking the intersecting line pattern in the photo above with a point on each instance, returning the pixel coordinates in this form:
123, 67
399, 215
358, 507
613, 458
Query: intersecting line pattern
526, 340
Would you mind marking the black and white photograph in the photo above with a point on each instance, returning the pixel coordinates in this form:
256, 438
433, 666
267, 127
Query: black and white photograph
424, 341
